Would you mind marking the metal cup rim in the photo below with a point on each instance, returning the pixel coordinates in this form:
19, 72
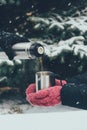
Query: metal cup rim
44, 72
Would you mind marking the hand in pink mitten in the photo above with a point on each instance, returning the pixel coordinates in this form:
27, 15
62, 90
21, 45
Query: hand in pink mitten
46, 97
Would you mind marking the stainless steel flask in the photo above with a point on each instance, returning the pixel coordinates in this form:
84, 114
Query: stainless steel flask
28, 50
44, 79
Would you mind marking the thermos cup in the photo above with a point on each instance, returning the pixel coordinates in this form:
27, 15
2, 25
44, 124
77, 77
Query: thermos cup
44, 79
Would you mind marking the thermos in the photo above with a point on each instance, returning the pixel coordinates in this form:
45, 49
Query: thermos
30, 51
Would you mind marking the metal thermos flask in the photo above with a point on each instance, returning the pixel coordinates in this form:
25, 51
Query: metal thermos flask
28, 50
